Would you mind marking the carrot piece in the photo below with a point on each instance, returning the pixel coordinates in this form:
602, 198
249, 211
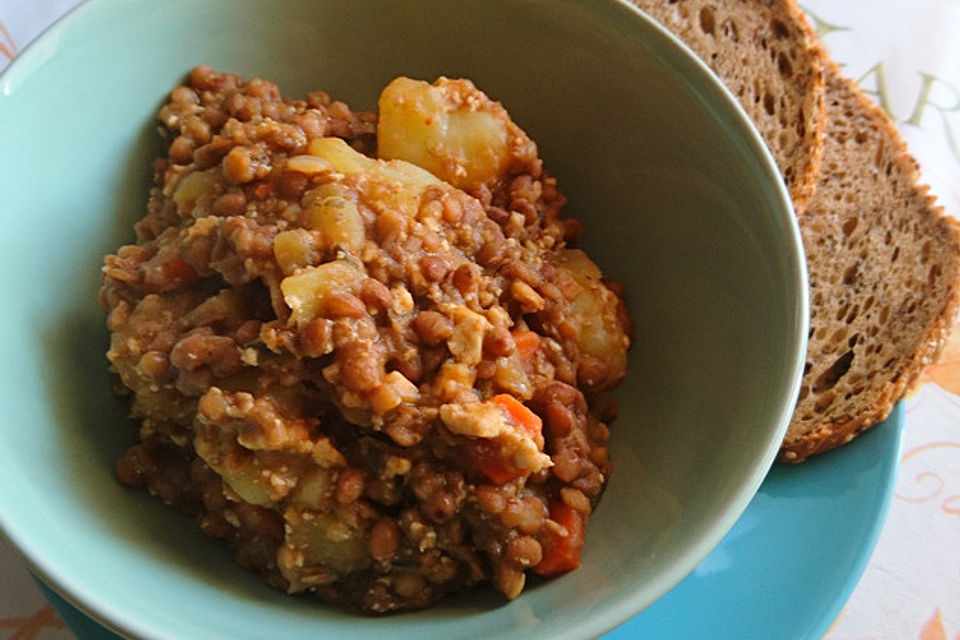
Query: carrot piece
527, 343
519, 414
486, 458
561, 553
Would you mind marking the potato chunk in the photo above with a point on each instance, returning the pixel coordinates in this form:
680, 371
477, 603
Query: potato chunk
392, 185
337, 221
346, 160
318, 547
294, 249
308, 291
593, 310
196, 192
449, 128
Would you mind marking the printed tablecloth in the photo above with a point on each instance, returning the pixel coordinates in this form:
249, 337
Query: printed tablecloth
906, 55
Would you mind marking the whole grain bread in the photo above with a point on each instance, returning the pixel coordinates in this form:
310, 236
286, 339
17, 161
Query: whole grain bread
883, 259
884, 269
767, 55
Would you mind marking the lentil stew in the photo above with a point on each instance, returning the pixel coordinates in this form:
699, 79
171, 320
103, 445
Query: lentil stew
360, 346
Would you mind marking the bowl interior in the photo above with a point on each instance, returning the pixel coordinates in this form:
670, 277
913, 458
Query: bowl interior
678, 197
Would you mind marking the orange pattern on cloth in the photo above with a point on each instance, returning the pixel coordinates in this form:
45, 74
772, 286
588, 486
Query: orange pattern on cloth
934, 629
946, 372
28, 628
929, 484
7, 46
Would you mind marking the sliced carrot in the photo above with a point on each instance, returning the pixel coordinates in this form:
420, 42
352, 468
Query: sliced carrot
561, 553
486, 458
519, 414
527, 343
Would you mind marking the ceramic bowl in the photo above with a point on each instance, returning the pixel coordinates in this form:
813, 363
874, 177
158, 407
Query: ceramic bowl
679, 197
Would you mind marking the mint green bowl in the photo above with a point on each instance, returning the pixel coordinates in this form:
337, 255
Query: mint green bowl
680, 200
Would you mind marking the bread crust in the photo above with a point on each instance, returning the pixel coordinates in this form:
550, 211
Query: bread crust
766, 53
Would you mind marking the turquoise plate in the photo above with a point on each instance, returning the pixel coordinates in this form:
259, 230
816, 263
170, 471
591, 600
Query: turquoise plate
785, 569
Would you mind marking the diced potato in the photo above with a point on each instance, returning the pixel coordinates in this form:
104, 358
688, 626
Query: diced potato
249, 484
294, 249
338, 221
327, 541
321, 191
314, 489
196, 191
347, 160
579, 265
307, 292
341, 155
449, 128
393, 185
594, 308
239, 470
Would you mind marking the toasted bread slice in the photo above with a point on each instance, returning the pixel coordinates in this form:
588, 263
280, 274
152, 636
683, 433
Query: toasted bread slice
884, 267
767, 55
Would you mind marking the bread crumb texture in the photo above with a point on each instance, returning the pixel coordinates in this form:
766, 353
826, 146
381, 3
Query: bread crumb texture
766, 53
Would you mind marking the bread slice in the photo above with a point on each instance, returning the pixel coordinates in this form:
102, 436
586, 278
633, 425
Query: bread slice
883, 259
884, 267
767, 55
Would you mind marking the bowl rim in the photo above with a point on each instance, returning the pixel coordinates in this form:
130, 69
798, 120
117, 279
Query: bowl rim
627, 606
631, 605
